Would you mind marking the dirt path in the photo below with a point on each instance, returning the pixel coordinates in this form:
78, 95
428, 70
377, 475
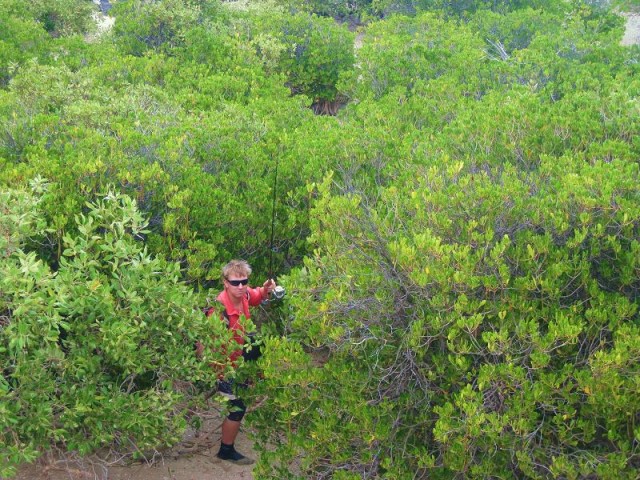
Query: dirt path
200, 463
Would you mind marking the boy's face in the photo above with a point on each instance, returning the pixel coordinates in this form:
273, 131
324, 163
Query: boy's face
236, 285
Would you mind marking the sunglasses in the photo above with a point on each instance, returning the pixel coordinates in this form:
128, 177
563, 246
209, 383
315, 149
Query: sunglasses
237, 283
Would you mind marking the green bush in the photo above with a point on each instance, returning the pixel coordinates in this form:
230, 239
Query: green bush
475, 323
312, 52
143, 25
57, 17
464, 292
471, 305
91, 353
180, 134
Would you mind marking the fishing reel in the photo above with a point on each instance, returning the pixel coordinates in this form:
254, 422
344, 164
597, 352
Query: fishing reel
279, 292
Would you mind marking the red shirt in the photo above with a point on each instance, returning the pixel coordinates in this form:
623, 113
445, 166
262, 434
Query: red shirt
254, 297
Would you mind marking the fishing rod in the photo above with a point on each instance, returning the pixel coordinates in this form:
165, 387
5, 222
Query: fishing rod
278, 292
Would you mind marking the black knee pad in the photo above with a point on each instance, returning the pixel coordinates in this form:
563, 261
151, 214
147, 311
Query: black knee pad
238, 409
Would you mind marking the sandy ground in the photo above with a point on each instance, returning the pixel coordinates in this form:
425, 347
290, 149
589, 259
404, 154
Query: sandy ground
632, 31
198, 463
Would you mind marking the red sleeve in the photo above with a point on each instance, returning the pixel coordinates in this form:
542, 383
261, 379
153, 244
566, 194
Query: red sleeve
257, 295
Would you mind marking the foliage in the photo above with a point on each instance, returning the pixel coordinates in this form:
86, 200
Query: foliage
627, 5
311, 51
20, 38
57, 17
338, 9
472, 321
90, 353
181, 139
460, 241
153, 25
367, 9
485, 263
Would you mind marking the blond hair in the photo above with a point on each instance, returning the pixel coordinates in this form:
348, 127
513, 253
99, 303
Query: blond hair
239, 268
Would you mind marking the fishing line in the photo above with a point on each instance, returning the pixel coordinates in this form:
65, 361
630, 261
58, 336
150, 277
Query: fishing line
273, 216
279, 292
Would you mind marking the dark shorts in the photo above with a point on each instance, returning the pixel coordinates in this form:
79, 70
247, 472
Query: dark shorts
228, 389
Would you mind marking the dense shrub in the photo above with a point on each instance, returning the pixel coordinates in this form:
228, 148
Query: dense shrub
472, 302
462, 236
57, 17
310, 51
483, 323
92, 351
